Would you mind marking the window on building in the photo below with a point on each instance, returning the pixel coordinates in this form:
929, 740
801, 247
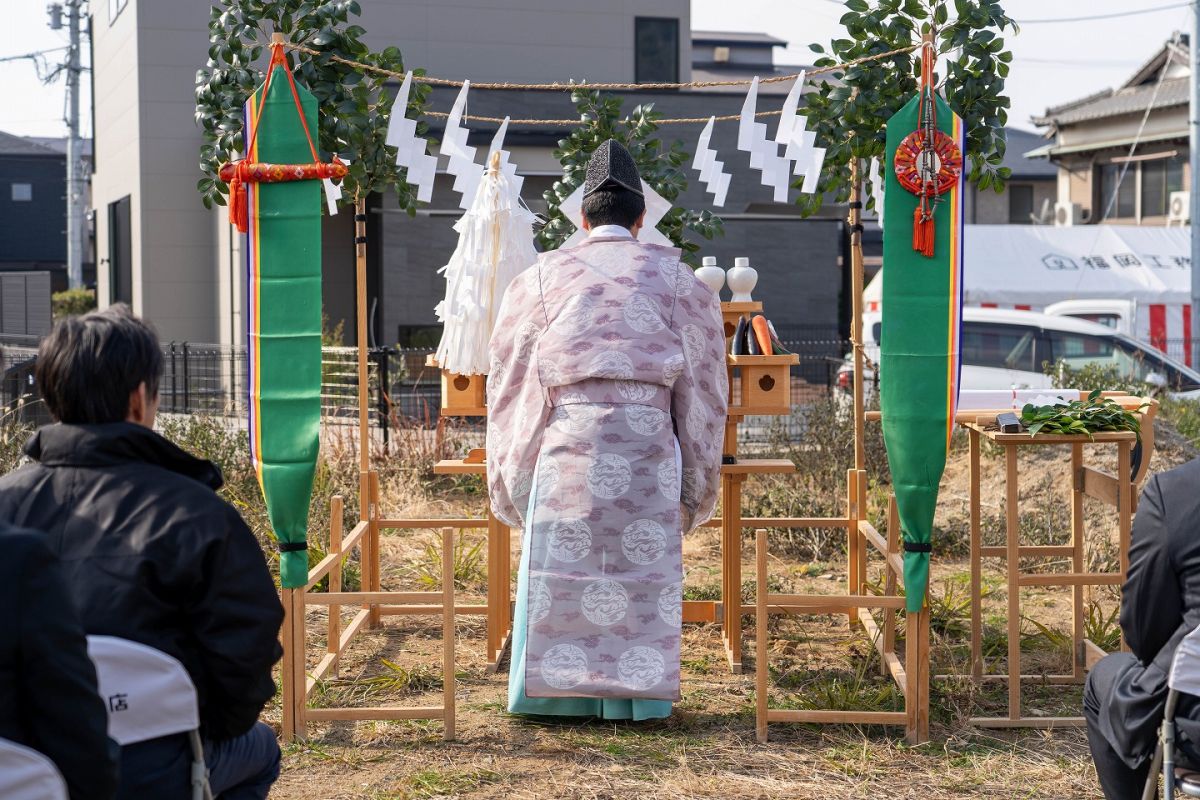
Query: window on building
22, 192
1125, 205
1020, 204
656, 50
115, 7
1160, 177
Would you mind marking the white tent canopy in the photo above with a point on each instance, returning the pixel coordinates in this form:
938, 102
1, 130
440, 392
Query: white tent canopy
1036, 265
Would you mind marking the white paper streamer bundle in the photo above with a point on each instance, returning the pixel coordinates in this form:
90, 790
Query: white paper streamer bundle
495, 244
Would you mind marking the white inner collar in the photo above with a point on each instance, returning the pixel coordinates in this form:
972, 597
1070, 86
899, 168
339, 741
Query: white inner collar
610, 230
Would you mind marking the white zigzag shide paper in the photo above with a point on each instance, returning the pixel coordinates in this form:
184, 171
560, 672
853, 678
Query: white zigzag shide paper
712, 171
764, 153
467, 174
875, 174
410, 148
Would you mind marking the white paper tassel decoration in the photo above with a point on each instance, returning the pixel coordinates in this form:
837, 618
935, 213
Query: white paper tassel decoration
495, 244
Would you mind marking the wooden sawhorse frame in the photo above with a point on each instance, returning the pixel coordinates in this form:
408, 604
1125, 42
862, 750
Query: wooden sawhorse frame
298, 683
911, 676
499, 608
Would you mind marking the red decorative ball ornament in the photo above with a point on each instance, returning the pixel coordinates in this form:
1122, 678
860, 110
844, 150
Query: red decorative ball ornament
915, 172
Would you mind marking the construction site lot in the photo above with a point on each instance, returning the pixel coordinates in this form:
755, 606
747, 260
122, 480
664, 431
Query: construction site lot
707, 747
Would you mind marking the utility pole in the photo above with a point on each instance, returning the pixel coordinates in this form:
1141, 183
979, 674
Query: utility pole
76, 182
1194, 178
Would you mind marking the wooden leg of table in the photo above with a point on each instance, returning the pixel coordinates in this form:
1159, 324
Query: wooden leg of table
761, 672
368, 558
912, 657
299, 665
334, 631
497, 601
976, 560
1013, 526
448, 633
287, 668
729, 446
861, 568
506, 609
889, 586
373, 533
1124, 508
923, 672
733, 604
726, 548
1077, 606
853, 537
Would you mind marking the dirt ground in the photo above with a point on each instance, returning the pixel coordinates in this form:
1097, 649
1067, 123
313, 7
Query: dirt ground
707, 748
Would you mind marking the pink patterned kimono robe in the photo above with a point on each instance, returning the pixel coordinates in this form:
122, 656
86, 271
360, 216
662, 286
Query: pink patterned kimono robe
607, 397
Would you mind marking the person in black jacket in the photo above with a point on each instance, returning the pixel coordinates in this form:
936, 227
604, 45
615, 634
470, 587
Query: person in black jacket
1126, 693
48, 697
149, 551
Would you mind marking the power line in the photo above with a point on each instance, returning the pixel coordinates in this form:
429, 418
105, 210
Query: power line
1066, 62
32, 56
1113, 15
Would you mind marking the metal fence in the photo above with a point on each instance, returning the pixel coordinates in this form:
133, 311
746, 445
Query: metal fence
212, 379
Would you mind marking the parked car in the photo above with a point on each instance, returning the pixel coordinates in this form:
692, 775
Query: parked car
1002, 349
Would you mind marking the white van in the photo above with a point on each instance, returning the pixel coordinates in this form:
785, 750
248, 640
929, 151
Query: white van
1163, 326
1002, 349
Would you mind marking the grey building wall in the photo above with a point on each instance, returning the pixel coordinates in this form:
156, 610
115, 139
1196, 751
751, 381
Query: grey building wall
188, 274
986, 207
34, 231
524, 41
798, 259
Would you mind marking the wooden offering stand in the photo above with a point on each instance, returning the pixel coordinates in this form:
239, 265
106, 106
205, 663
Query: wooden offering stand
1118, 491
466, 396
763, 385
462, 395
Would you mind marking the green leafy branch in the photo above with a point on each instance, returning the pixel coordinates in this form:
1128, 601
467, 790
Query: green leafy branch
355, 105
660, 165
1096, 414
850, 112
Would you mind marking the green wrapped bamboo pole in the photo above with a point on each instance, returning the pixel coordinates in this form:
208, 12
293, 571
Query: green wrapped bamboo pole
283, 258
922, 304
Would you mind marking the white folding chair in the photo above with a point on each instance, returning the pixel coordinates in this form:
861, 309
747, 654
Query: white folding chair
1183, 680
148, 695
26, 774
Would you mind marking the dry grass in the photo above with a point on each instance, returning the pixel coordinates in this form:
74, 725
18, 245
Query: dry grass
707, 748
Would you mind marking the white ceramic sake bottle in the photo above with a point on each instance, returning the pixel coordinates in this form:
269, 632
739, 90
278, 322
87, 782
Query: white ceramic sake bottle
742, 279
711, 275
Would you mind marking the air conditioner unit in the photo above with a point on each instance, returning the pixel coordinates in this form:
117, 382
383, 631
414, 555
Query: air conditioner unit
1180, 208
1066, 214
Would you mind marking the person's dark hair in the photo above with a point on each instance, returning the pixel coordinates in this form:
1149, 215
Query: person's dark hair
88, 366
613, 207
